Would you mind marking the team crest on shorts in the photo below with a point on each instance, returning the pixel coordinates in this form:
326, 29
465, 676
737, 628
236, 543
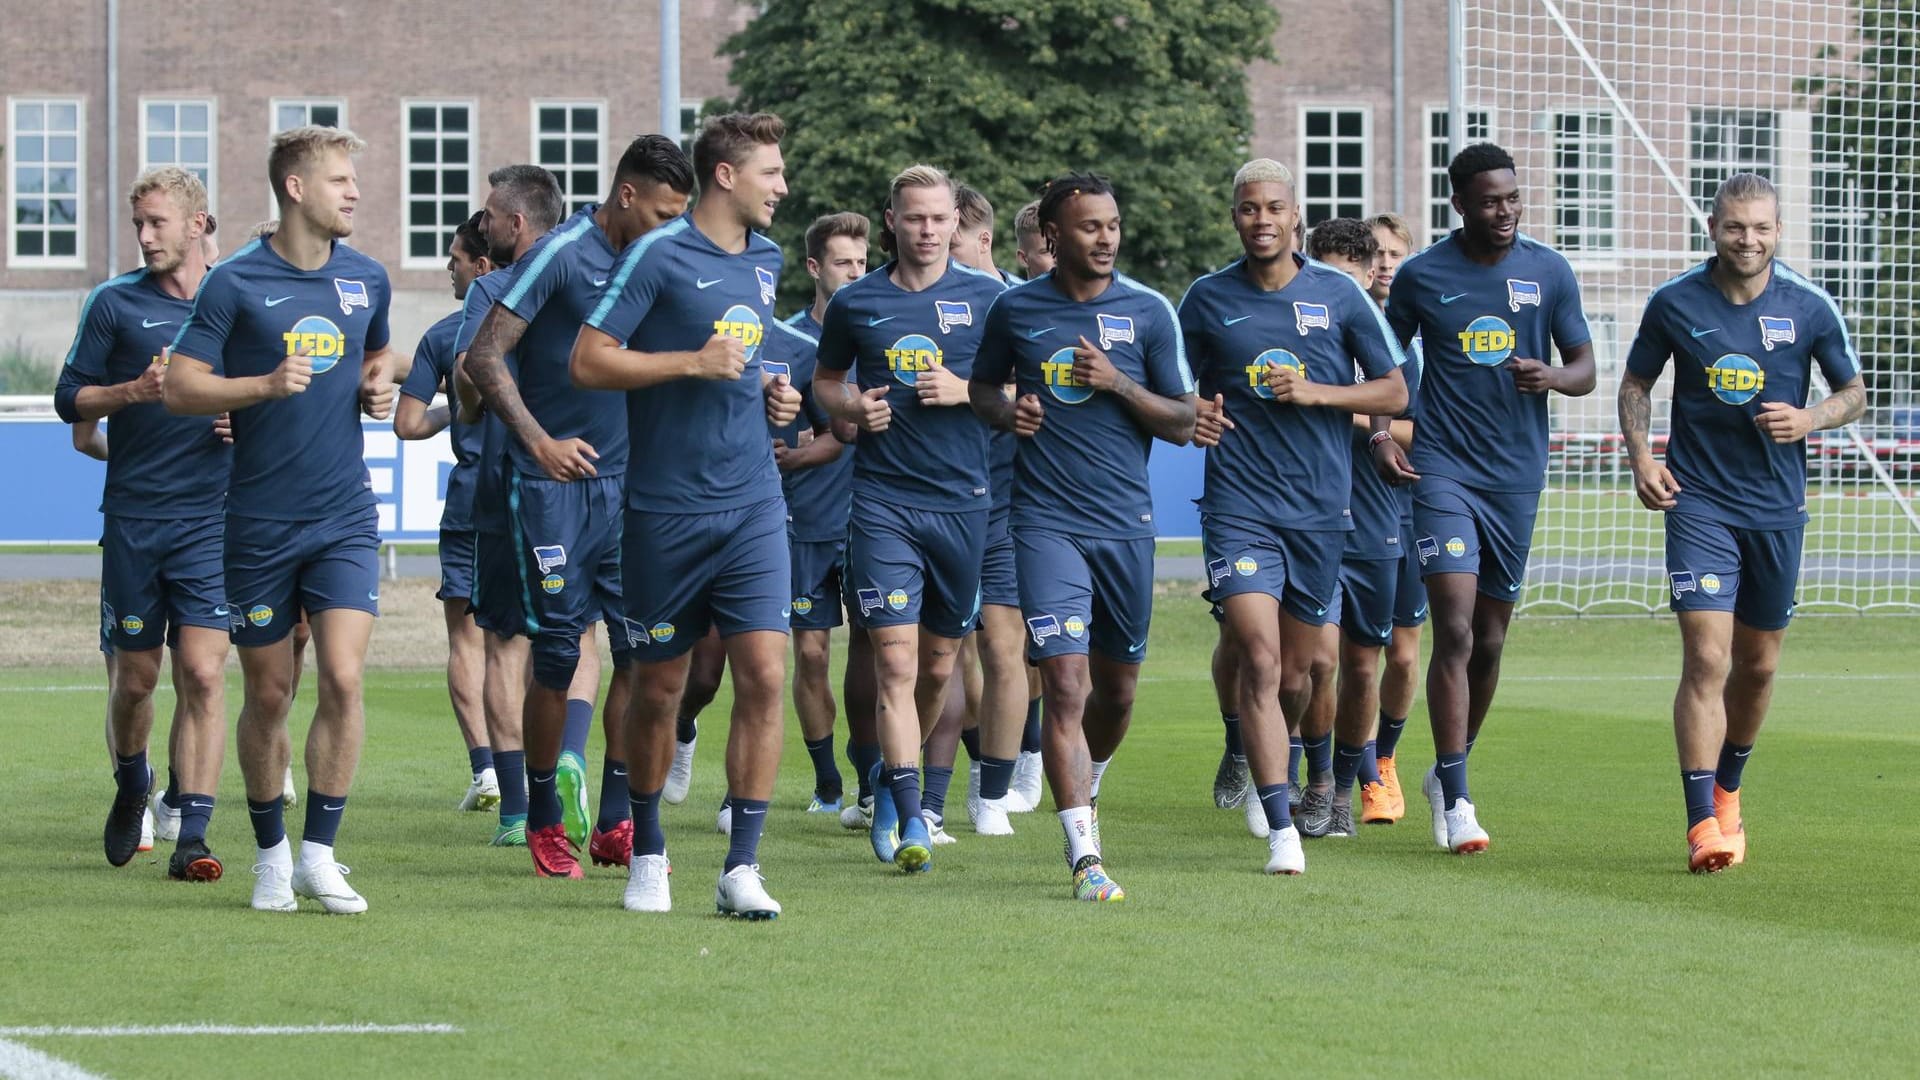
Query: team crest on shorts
870, 600
1682, 582
1217, 571
549, 556
1043, 627
1426, 548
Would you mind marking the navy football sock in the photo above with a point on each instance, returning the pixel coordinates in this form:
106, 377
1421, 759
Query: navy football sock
970, 738
864, 756
996, 775
1452, 771
543, 799
686, 729
1294, 753
647, 837
132, 774
613, 795
195, 812
1232, 724
935, 797
510, 767
323, 818
1390, 730
905, 785
573, 737
743, 839
1319, 753
269, 821
1273, 799
480, 759
1733, 760
827, 784
1030, 735
1699, 791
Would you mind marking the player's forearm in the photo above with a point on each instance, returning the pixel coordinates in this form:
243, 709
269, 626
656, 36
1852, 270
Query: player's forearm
502, 397
1167, 419
823, 450
94, 402
1840, 408
203, 393
414, 419
90, 440
1375, 397
990, 404
1577, 374
837, 395
1635, 406
599, 362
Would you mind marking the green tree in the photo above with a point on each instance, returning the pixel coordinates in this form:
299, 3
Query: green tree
1006, 94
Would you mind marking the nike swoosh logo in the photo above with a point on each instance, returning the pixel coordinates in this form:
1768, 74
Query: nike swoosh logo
1515, 587
1031, 334
1702, 333
877, 322
703, 283
197, 805
271, 302
1451, 299
330, 809
220, 612
750, 813
1235, 319
598, 282
1136, 646
1421, 614
148, 324
373, 596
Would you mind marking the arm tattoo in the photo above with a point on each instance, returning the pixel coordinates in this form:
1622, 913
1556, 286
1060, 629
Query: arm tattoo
1636, 413
499, 332
1841, 407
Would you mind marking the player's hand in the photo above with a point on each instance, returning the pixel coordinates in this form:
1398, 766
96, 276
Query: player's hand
938, 386
1654, 484
566, 459
870, 411
1209, 420
780, 452
1092, 368
1782, 422
291, 377
148, 385
223, 427
1390, 461
723, 357
783, 401
1027, 415
1291, 385
377, 393
1531, 376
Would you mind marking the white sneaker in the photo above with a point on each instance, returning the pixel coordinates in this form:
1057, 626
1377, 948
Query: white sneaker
1256, 814
273, 878
723, 821
166, 820
742, 893
484, 792
857, 814
680, 775
647, 884
1437, 802
318, 877
1284, 855
990, 818
146, 829
1464, 834
289, 795
1028, 776
935, 829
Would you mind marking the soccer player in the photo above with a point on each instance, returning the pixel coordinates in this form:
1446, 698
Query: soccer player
680, 327
160, 576
416, 417
1275, 337
1034, 259
1030, 250
1489, 304
288, 335
1105, 353
1744, 332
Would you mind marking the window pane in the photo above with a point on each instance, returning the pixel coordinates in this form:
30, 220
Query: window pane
453, 118
454, 182
193, 148
420, 214
63, 181
60, 243
30, 116
63, 148
421, 182
586, 151
422, 151
454, 151
63, 212
423, 245
1350, 124
553, 118
325, 115
29, 243
553, 151
159, 117
27, 211
30, 148
1319, 125
420, 118
193, 117
63, 116
159, 149
30, 181
1350, 155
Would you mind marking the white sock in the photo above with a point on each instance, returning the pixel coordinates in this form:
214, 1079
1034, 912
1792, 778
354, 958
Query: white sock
1099, 770
315, 854
280, 852
1078, 823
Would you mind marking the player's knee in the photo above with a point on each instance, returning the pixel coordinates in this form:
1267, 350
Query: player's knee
555, 660
1403, 654
1260, 669
133, 681
200, 678
1705, 660
1756, 665
759, 679
811, 657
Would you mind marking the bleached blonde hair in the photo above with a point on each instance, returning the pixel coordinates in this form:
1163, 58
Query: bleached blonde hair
296, 149
1262, 171
186, 190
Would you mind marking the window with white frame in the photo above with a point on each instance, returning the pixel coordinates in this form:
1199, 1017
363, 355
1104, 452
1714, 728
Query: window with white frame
46, 177
1721, 142
179, 132
291, 113
1334, 163
1585, 189
1441, 219
567, 142
439, 177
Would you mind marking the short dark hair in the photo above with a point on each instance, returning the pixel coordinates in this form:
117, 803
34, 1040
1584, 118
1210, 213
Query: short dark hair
1055, 195
827, 226
532, 192
1346, 236
730, 137
1474, 160
973, 208
655, 159
468, 237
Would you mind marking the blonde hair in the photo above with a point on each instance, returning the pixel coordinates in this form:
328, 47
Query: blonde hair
186, 190
1394, 224
1026, 223
1262, 171
297, 149
918, 176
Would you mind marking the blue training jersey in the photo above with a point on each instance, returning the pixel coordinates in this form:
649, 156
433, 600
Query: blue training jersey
490, 466
1085, 471
159, 465
819, 499
1475, 427
563, 277
298, 458
432, 371
1282, 465
933, 457
702, 443
1728, 360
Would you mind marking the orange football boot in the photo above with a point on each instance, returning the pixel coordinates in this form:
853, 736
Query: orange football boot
1708, 852
1726, 810
1390, 779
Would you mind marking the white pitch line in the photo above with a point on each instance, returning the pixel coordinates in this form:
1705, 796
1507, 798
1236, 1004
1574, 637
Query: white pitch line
225, 1029
18, 1062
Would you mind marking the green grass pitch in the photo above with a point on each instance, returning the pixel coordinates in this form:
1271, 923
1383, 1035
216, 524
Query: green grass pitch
1578, 945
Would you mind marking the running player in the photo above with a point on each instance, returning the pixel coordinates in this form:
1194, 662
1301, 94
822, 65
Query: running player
1276, 337
1487, 303
1034, 258
1106, 353
160, 577
896, 348
1733, 485
268, 328
705, 541
416, 417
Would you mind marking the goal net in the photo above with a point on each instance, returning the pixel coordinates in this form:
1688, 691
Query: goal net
1623, 116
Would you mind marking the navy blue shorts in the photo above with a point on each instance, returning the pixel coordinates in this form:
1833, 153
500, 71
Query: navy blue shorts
456, 565
495, 596
999, 584
1750, 572
686, 573
1410, 595
1084, 592
1379, 595
157, 575
910, 566
566, 541
1298, 567
278, 569
1463, 530
818, 566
